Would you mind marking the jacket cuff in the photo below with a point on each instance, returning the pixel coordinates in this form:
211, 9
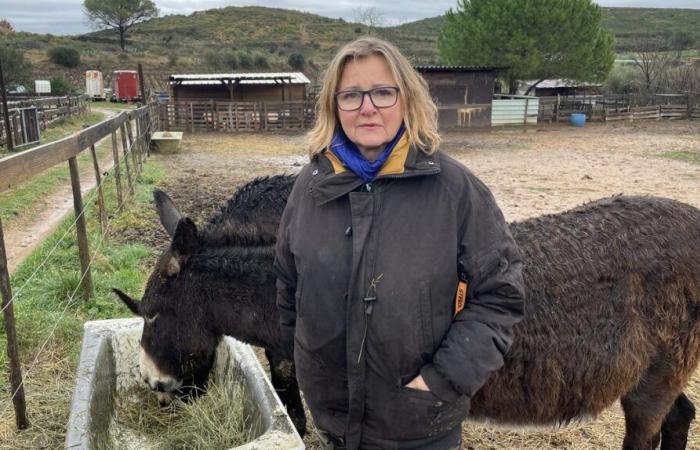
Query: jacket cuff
438, 385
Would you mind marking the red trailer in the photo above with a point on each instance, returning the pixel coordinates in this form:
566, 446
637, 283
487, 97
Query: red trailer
126, 85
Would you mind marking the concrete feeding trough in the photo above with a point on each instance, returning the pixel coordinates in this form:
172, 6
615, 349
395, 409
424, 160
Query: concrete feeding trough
166, 141
108, 367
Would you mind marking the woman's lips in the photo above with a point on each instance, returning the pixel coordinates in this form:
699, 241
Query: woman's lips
370, 126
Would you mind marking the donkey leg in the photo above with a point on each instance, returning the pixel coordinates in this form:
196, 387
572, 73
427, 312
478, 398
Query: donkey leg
284, 381
646, 407
674, 431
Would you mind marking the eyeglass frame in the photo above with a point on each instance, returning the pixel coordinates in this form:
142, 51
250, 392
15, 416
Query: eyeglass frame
368, 94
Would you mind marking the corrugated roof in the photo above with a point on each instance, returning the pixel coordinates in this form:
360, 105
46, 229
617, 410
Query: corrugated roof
242, 78
456, 68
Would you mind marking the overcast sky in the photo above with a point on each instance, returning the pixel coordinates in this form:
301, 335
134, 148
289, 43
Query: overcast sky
66, 17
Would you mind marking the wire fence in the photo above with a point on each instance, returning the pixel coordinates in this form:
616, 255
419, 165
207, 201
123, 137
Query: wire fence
135, 129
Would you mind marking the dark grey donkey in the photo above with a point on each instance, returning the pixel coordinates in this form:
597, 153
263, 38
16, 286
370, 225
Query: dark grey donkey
612, 311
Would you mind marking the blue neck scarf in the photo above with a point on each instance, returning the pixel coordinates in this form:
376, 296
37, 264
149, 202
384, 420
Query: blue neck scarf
350, 155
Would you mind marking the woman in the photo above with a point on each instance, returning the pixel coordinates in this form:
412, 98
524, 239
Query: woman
381, 238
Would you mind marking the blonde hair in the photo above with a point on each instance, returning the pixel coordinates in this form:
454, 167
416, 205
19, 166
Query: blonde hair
419, 111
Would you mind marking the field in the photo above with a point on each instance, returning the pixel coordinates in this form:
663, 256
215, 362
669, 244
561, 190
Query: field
537, 171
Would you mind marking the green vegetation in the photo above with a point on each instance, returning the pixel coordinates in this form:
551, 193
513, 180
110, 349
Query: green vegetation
50, 311
64, 55
519, 35
15, 68
692, 157
178, 43
61, 86
296, 61
24, 198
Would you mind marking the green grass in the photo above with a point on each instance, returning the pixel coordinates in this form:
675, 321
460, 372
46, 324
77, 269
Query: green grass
50, 310
23, 199
692, 157
112, 105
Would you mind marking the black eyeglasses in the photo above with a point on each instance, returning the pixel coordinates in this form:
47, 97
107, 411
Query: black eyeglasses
381, 97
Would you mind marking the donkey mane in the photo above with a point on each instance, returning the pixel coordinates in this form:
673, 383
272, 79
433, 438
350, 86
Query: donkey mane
251, 216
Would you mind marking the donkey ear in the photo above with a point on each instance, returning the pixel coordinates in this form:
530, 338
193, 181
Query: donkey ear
181, 248
130, 303
167, 211
185, 238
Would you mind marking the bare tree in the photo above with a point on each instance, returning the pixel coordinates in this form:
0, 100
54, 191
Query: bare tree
651, 59
370, 17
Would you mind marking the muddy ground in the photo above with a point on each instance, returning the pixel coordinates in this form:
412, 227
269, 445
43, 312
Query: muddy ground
532, 172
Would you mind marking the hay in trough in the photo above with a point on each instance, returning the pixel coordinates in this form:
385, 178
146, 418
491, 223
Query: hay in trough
218, 419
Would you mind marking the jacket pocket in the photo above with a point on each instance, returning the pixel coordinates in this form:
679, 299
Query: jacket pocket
426, 314
406, 414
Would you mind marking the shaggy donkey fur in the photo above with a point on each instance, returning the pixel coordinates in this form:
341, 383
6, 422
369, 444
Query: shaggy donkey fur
612, 309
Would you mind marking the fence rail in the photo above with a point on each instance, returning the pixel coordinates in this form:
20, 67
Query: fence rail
49, 111
135, 128
609, 108
210, 115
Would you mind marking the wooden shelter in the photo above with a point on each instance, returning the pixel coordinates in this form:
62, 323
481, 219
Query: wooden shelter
240, 87
463, 94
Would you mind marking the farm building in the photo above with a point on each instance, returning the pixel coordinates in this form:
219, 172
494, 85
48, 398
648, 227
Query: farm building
462, 94
240, 87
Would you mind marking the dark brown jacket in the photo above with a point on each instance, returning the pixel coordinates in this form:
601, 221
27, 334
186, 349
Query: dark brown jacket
367, 277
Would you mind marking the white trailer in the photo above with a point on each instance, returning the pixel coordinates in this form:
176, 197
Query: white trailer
94, 85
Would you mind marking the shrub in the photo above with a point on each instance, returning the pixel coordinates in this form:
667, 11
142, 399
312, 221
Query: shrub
229, 60
16, 69
261, 62
64, 55
296, 61
245, 60
623, 79
172, 58
61, 86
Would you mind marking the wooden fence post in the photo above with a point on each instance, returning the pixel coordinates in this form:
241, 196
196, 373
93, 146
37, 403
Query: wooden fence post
133, 150
16, 385
83, 250
117, 170
100, 194
125, 150
5, 112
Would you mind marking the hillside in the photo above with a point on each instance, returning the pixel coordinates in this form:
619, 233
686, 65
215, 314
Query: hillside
257, 38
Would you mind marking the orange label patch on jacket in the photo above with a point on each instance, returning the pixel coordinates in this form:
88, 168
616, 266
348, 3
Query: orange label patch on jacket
461, 297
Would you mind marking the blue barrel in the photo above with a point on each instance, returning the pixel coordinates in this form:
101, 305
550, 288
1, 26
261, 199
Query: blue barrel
578, 119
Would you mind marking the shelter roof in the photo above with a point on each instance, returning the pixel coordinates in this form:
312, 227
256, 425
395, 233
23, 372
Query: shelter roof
239, 78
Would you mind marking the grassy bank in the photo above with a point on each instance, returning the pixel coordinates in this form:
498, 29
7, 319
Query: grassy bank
50, 311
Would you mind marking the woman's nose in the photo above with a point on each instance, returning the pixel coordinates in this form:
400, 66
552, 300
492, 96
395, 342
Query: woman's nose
367, 106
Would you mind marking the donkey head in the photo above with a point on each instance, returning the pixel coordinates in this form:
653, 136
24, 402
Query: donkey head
178, 340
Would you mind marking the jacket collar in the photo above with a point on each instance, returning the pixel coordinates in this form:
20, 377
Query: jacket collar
333, 180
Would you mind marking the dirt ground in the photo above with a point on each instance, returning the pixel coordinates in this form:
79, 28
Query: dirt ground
531, 172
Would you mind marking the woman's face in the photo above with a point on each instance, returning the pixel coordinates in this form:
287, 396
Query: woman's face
369, 127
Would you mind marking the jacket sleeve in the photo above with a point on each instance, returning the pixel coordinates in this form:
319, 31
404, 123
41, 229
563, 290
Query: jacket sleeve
482, 332
285, 270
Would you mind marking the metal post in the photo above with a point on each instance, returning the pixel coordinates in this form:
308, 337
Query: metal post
5, 112
81, 228
16, 385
